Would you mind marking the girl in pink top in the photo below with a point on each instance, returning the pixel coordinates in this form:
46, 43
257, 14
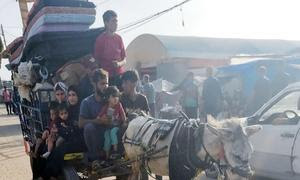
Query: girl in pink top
114, 111
7, 100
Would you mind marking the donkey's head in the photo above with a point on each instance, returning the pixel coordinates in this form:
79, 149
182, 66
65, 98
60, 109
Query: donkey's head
233, 139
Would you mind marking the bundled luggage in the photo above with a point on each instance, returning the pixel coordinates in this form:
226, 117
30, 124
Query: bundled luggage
56, 39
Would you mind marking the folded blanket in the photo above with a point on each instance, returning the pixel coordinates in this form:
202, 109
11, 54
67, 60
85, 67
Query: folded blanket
59, 10
58, 27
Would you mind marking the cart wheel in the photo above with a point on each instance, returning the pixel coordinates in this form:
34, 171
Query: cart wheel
69, 173
123, 177
36, 166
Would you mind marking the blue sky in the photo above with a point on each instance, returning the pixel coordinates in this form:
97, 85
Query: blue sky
262, 19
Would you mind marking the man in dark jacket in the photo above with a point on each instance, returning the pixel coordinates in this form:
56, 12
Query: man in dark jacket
211, 94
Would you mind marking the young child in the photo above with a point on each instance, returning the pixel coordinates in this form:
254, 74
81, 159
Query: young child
63, 129
51, 139
64, 126
50, 129
115, 113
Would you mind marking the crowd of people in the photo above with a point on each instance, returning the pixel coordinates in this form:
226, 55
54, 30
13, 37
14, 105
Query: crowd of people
214, 101
95, 123
96, 126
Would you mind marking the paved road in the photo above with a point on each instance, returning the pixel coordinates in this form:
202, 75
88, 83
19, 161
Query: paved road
14, 163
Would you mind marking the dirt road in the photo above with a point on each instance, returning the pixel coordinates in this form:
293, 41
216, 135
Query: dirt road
14, 163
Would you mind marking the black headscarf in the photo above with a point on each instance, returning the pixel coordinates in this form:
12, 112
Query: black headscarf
74, 109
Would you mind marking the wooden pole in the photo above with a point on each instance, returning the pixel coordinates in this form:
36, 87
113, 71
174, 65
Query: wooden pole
4, 40
24, 11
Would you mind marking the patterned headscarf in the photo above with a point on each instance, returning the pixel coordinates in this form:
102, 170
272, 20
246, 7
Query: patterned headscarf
61, 86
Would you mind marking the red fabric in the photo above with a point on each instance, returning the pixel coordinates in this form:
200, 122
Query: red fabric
108, 49
6, 96
119, 112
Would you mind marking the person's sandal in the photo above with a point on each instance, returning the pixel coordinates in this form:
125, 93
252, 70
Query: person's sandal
46, 155
115, 156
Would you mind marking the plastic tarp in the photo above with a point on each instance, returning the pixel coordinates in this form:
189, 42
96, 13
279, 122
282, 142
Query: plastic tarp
56, 48
248, 75
161, 85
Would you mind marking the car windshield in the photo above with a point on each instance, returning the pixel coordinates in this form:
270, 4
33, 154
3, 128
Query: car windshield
289, 101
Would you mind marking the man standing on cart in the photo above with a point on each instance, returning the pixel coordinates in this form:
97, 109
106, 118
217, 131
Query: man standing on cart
109, 49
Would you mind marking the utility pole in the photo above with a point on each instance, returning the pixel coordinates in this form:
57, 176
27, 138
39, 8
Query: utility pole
4, 40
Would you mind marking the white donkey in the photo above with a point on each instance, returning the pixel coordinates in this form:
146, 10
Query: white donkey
184, 151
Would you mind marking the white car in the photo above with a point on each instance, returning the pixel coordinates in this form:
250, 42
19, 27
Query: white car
277, 146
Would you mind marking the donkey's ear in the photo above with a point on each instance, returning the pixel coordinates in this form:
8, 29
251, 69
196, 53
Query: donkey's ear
250, 130
220, 132
211, 120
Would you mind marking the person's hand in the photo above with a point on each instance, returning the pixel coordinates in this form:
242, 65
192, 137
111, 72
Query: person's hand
45, 134
116, 64
63, 125
54, 130
125, 124
103, 120
33, 154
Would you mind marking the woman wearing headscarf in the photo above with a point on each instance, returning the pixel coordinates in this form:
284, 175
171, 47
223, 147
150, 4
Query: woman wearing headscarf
60, 91
74, 104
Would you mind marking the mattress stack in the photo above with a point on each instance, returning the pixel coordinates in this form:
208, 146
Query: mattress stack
57, 31
59, 16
